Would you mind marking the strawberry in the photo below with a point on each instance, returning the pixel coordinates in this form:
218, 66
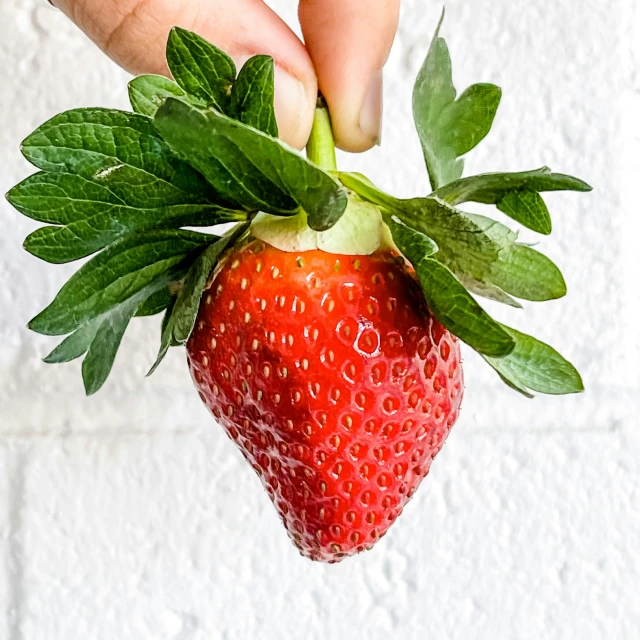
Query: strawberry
333, 379
323, 328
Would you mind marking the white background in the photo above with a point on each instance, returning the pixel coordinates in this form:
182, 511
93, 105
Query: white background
131, 516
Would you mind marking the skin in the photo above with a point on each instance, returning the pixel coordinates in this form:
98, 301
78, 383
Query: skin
347, 44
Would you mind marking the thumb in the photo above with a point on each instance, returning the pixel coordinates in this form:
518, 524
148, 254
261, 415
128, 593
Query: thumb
349, 41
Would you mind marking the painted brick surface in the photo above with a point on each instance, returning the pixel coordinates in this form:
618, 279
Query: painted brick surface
131, 516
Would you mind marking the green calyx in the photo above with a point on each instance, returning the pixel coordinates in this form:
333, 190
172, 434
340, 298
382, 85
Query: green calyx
201, 150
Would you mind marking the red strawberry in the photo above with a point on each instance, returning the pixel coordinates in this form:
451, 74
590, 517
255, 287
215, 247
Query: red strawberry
335, 381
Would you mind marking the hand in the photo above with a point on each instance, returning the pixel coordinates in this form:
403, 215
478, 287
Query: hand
347, 43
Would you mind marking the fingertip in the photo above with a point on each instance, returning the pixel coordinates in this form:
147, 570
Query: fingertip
349, 43
365, 132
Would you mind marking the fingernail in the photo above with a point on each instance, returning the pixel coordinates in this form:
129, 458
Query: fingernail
371, 111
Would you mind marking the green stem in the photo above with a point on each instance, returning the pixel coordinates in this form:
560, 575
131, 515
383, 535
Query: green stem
321, 147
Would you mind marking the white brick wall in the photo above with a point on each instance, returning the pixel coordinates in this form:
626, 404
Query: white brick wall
130, 516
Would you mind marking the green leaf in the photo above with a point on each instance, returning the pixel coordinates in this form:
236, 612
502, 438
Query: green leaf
528, 208
535, 366
250, 168
515, 194
484, 250
526, 364
101, 336
446, 298
98, 362
252, 95
93, 216
148, 93
155, 303
418, 245
449, 128
119, 150
165, 321
489, 291
188, 300
100, 340
202, 70
181, 317
166, 339
74, 345
527, 274
481, 252
125, 270
367, 190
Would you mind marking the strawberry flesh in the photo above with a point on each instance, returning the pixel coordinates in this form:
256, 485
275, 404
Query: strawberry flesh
334, 380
